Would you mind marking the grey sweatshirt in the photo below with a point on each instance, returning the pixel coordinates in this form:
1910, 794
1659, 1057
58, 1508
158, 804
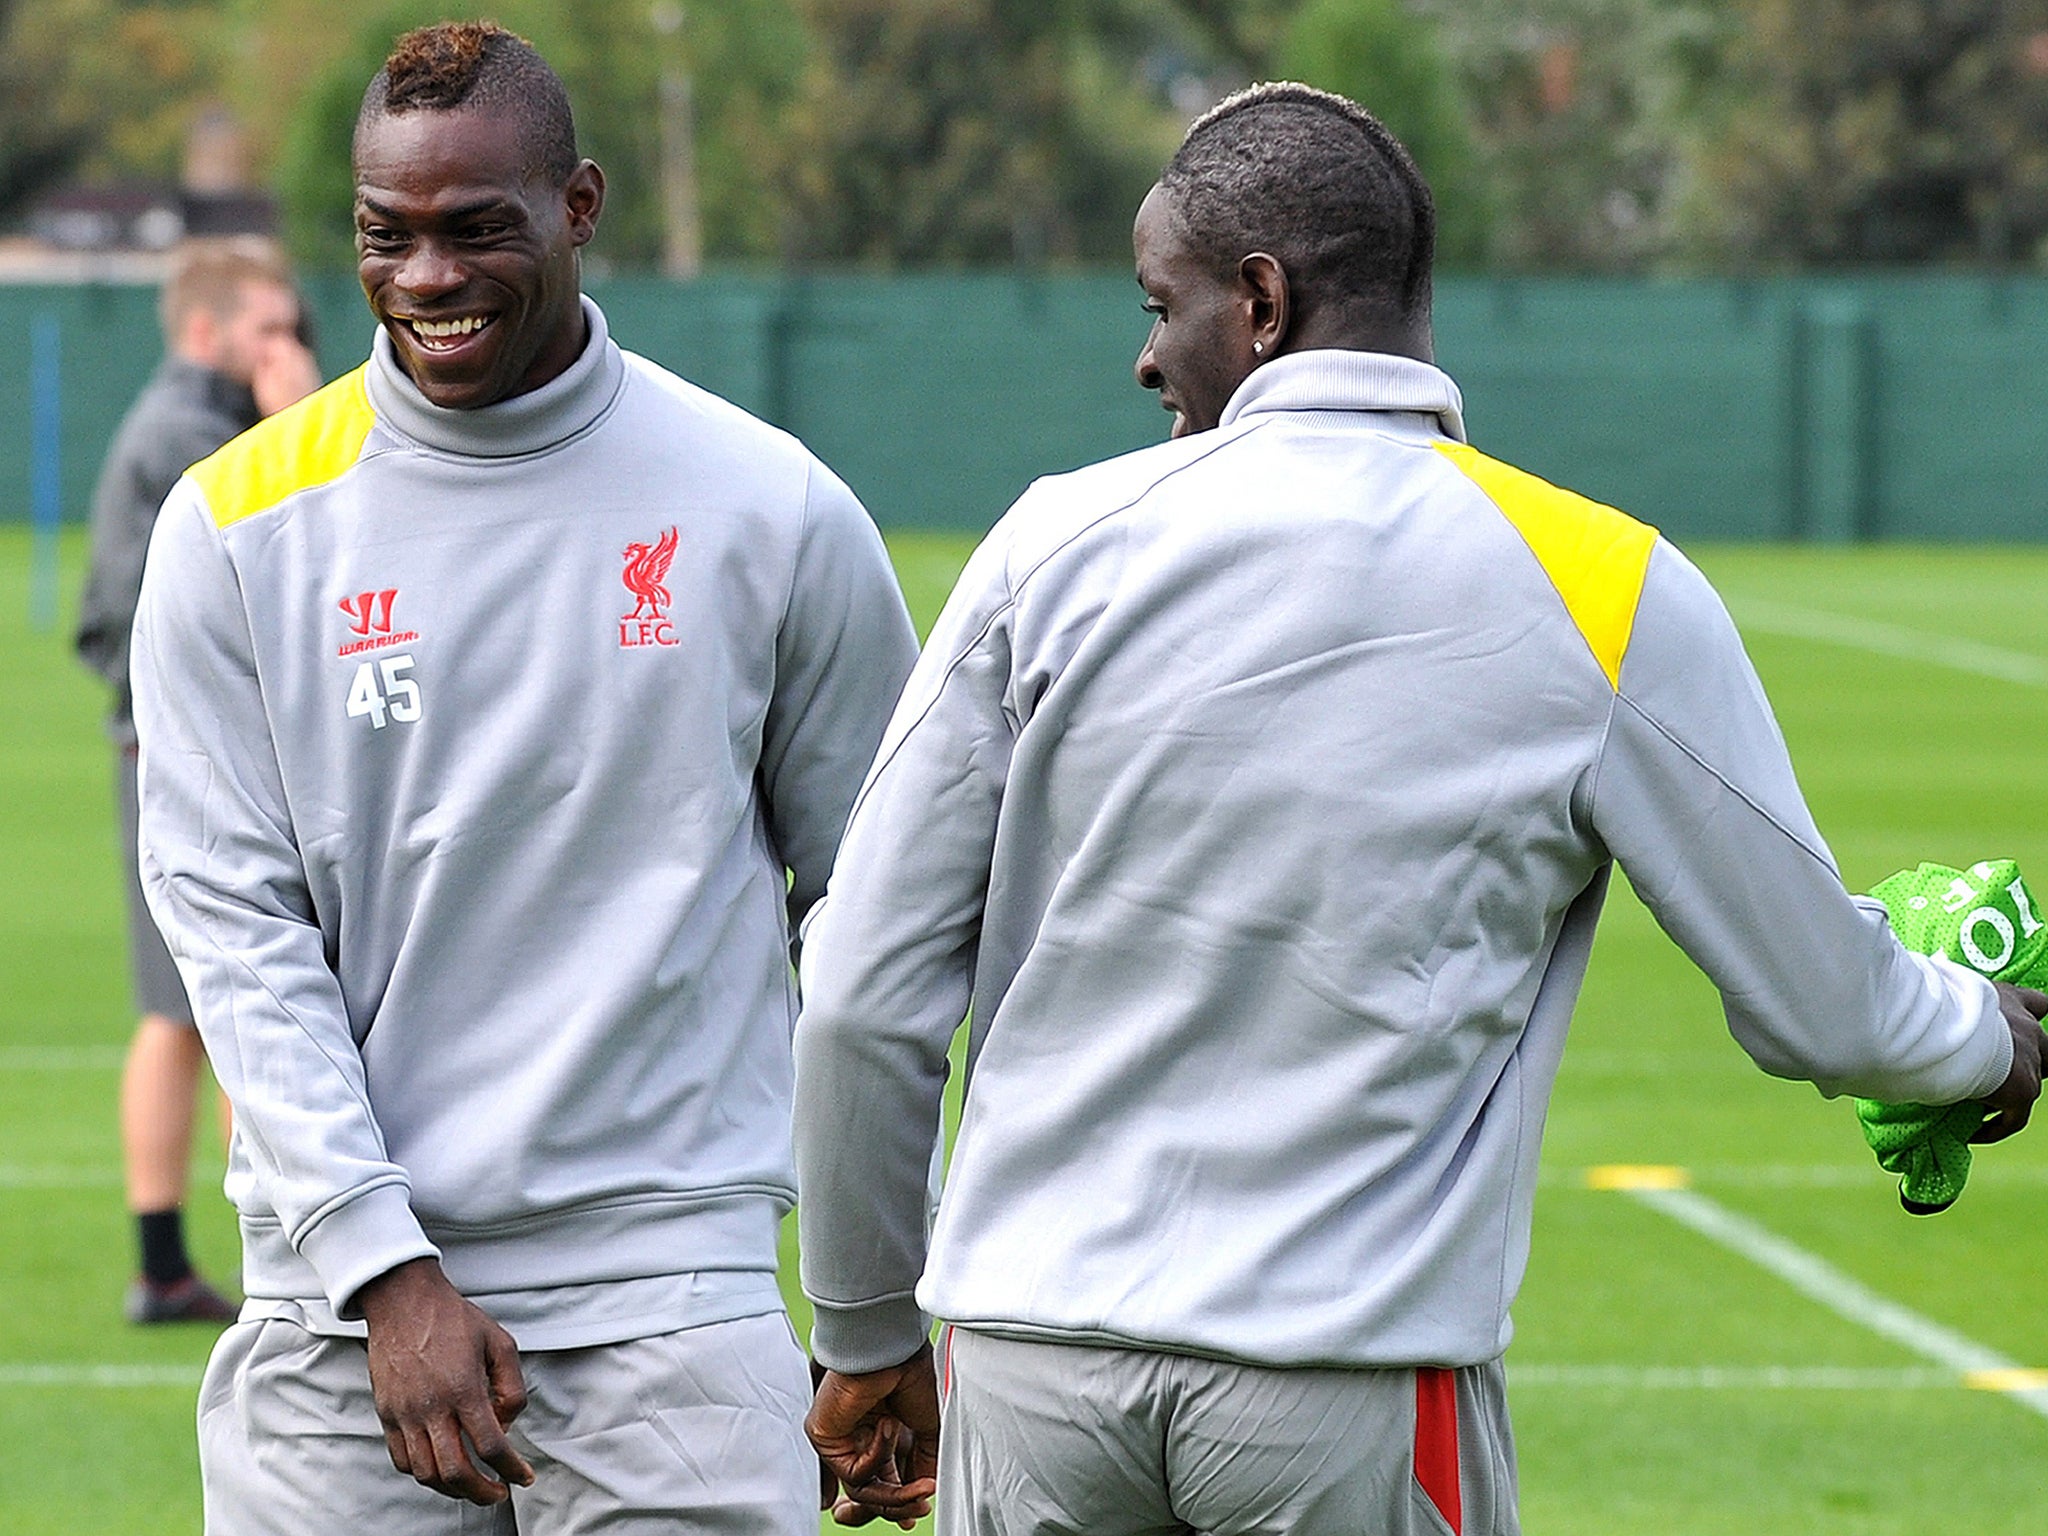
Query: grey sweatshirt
183, 414
1258, 793
486, 757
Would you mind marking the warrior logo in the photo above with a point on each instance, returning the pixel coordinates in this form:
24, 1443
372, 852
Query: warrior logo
645, 576
369, 619
369, 611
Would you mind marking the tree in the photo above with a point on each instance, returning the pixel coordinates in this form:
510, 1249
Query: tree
99, 87
1557, 134
968, 131
1882, 131
1583, 113
39, 144
1246, 36
744, 57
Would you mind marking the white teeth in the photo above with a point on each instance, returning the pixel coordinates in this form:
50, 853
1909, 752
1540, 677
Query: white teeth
462, 327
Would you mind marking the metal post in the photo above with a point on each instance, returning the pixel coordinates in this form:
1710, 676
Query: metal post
682, 244
46, 483
1837, 402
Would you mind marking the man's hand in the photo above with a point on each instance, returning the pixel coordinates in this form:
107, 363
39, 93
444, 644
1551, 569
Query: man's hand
447, 1383
2014, 1100
878, 1434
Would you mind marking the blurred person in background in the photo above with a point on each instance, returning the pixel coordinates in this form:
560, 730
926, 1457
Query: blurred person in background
233, 354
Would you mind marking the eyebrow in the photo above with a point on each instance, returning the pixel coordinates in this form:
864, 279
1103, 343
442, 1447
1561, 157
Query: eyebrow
453, 215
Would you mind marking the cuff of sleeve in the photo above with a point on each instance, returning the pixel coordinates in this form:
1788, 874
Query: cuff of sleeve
854, 1339
355, 1242
2001, 1062
1990, 1040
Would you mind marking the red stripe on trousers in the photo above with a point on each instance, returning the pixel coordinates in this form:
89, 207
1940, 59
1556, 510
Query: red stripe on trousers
1436, 1442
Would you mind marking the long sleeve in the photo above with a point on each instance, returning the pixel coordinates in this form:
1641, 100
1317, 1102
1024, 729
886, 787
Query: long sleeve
223, 874
1696, 799
845, 647
175, 423
888, 970
122, 513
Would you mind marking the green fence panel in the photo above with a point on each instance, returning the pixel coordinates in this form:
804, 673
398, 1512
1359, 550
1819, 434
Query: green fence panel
940, 401
1667, 400
1902, 406
723, 333
1960, 422
108, 340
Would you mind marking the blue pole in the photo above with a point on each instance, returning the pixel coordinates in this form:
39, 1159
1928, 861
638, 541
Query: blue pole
46, 485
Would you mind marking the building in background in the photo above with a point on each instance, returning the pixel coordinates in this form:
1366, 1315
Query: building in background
124, 231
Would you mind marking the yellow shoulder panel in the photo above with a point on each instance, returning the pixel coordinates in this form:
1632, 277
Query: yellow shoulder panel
1596, 557
304, 445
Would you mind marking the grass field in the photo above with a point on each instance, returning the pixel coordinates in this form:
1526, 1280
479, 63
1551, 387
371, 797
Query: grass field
1663, 1380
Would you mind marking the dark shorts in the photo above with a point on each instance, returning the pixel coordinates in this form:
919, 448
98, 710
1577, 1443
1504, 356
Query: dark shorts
158, 987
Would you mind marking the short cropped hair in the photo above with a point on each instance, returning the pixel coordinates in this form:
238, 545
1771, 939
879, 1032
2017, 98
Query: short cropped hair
1316, 181
213, 275
479, 64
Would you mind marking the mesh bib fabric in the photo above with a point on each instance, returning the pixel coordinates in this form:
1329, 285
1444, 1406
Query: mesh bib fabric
1984, 918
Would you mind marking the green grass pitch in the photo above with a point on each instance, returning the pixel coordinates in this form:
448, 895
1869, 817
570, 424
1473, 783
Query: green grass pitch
1660, 1382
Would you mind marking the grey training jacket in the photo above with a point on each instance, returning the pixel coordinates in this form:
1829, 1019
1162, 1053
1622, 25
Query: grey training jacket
1258, 791
184, 412
486, 756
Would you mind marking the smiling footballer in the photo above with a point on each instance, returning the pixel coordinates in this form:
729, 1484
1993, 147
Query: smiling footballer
501, 707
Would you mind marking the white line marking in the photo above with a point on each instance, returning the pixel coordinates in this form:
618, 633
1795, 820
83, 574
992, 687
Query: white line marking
18, 1177
180, 1376
1851, 1175
62, 1058
1738, 1378
1864, 1175
1960, 655
1846, 1297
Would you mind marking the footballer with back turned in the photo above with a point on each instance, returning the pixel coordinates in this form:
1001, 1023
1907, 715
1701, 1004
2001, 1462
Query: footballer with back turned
501, 706
1256, 797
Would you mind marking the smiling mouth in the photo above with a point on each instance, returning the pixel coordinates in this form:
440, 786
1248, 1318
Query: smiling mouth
445, 335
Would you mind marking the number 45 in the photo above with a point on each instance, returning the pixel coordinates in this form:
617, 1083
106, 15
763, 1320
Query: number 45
398, 698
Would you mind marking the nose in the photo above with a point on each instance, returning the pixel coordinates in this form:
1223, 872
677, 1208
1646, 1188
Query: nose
429, 271
1147, 369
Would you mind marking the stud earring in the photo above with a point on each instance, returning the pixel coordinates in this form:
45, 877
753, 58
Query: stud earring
1258, 346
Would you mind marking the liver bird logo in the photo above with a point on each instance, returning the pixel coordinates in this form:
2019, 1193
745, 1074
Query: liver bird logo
646, 576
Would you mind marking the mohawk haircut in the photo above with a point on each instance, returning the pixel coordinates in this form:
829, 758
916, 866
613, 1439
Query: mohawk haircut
478, 64
1316, 181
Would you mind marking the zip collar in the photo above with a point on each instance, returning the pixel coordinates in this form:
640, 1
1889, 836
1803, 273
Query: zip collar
1333, 379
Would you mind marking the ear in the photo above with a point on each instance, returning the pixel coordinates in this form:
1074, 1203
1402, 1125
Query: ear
1269, 310
583, 194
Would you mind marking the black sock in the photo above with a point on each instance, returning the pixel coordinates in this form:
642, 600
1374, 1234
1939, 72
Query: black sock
164, 1260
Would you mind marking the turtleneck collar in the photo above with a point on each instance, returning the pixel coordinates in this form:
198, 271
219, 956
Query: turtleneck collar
533, 422
1332, 379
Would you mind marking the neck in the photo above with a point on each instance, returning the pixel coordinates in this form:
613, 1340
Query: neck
532, 421
1349, 333
561, 352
